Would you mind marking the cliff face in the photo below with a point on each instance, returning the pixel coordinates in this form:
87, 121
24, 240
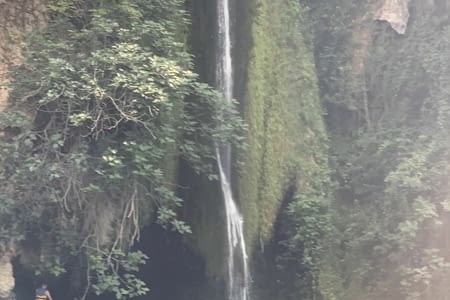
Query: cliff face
283, 112
384, 79
275, 83
16, 17
285, 159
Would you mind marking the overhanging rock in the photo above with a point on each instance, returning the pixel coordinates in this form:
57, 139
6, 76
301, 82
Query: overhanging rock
396, 13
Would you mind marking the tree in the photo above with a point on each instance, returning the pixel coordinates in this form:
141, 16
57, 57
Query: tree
101, 109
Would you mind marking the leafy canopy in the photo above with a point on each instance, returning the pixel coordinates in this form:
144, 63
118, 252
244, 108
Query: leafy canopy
101, 109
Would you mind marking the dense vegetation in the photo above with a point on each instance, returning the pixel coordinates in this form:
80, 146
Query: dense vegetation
97, 119
280, 175
387, 119
343, 183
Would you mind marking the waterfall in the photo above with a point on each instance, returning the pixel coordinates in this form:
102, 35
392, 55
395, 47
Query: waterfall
237, 267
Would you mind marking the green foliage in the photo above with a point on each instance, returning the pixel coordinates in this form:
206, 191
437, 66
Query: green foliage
281, 99
390, 154
105, 97
306, 229
52, 265
287, 149
118, 276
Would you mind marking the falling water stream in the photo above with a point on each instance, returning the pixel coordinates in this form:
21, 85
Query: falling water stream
237, 268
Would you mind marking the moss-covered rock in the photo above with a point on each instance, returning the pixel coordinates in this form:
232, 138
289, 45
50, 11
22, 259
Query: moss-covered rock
276, 86
281, 106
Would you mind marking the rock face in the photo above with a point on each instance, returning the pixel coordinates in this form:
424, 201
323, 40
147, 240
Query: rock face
6, 280
396, 13
16, 17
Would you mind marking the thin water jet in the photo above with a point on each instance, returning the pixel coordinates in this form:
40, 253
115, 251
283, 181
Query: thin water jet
237, 265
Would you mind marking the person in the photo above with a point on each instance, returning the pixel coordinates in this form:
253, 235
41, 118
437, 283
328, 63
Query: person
42, 293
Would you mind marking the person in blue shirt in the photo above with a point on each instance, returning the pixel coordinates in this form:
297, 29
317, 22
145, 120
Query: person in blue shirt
42, 293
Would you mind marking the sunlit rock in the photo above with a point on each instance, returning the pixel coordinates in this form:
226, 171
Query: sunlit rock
6, 280
396, 13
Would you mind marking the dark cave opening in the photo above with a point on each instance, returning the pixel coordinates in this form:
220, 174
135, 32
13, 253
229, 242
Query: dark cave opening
173, 271
26, 281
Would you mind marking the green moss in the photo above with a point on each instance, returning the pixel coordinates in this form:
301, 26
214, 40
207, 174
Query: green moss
203, 207
275, 82
205, 212
286, 134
